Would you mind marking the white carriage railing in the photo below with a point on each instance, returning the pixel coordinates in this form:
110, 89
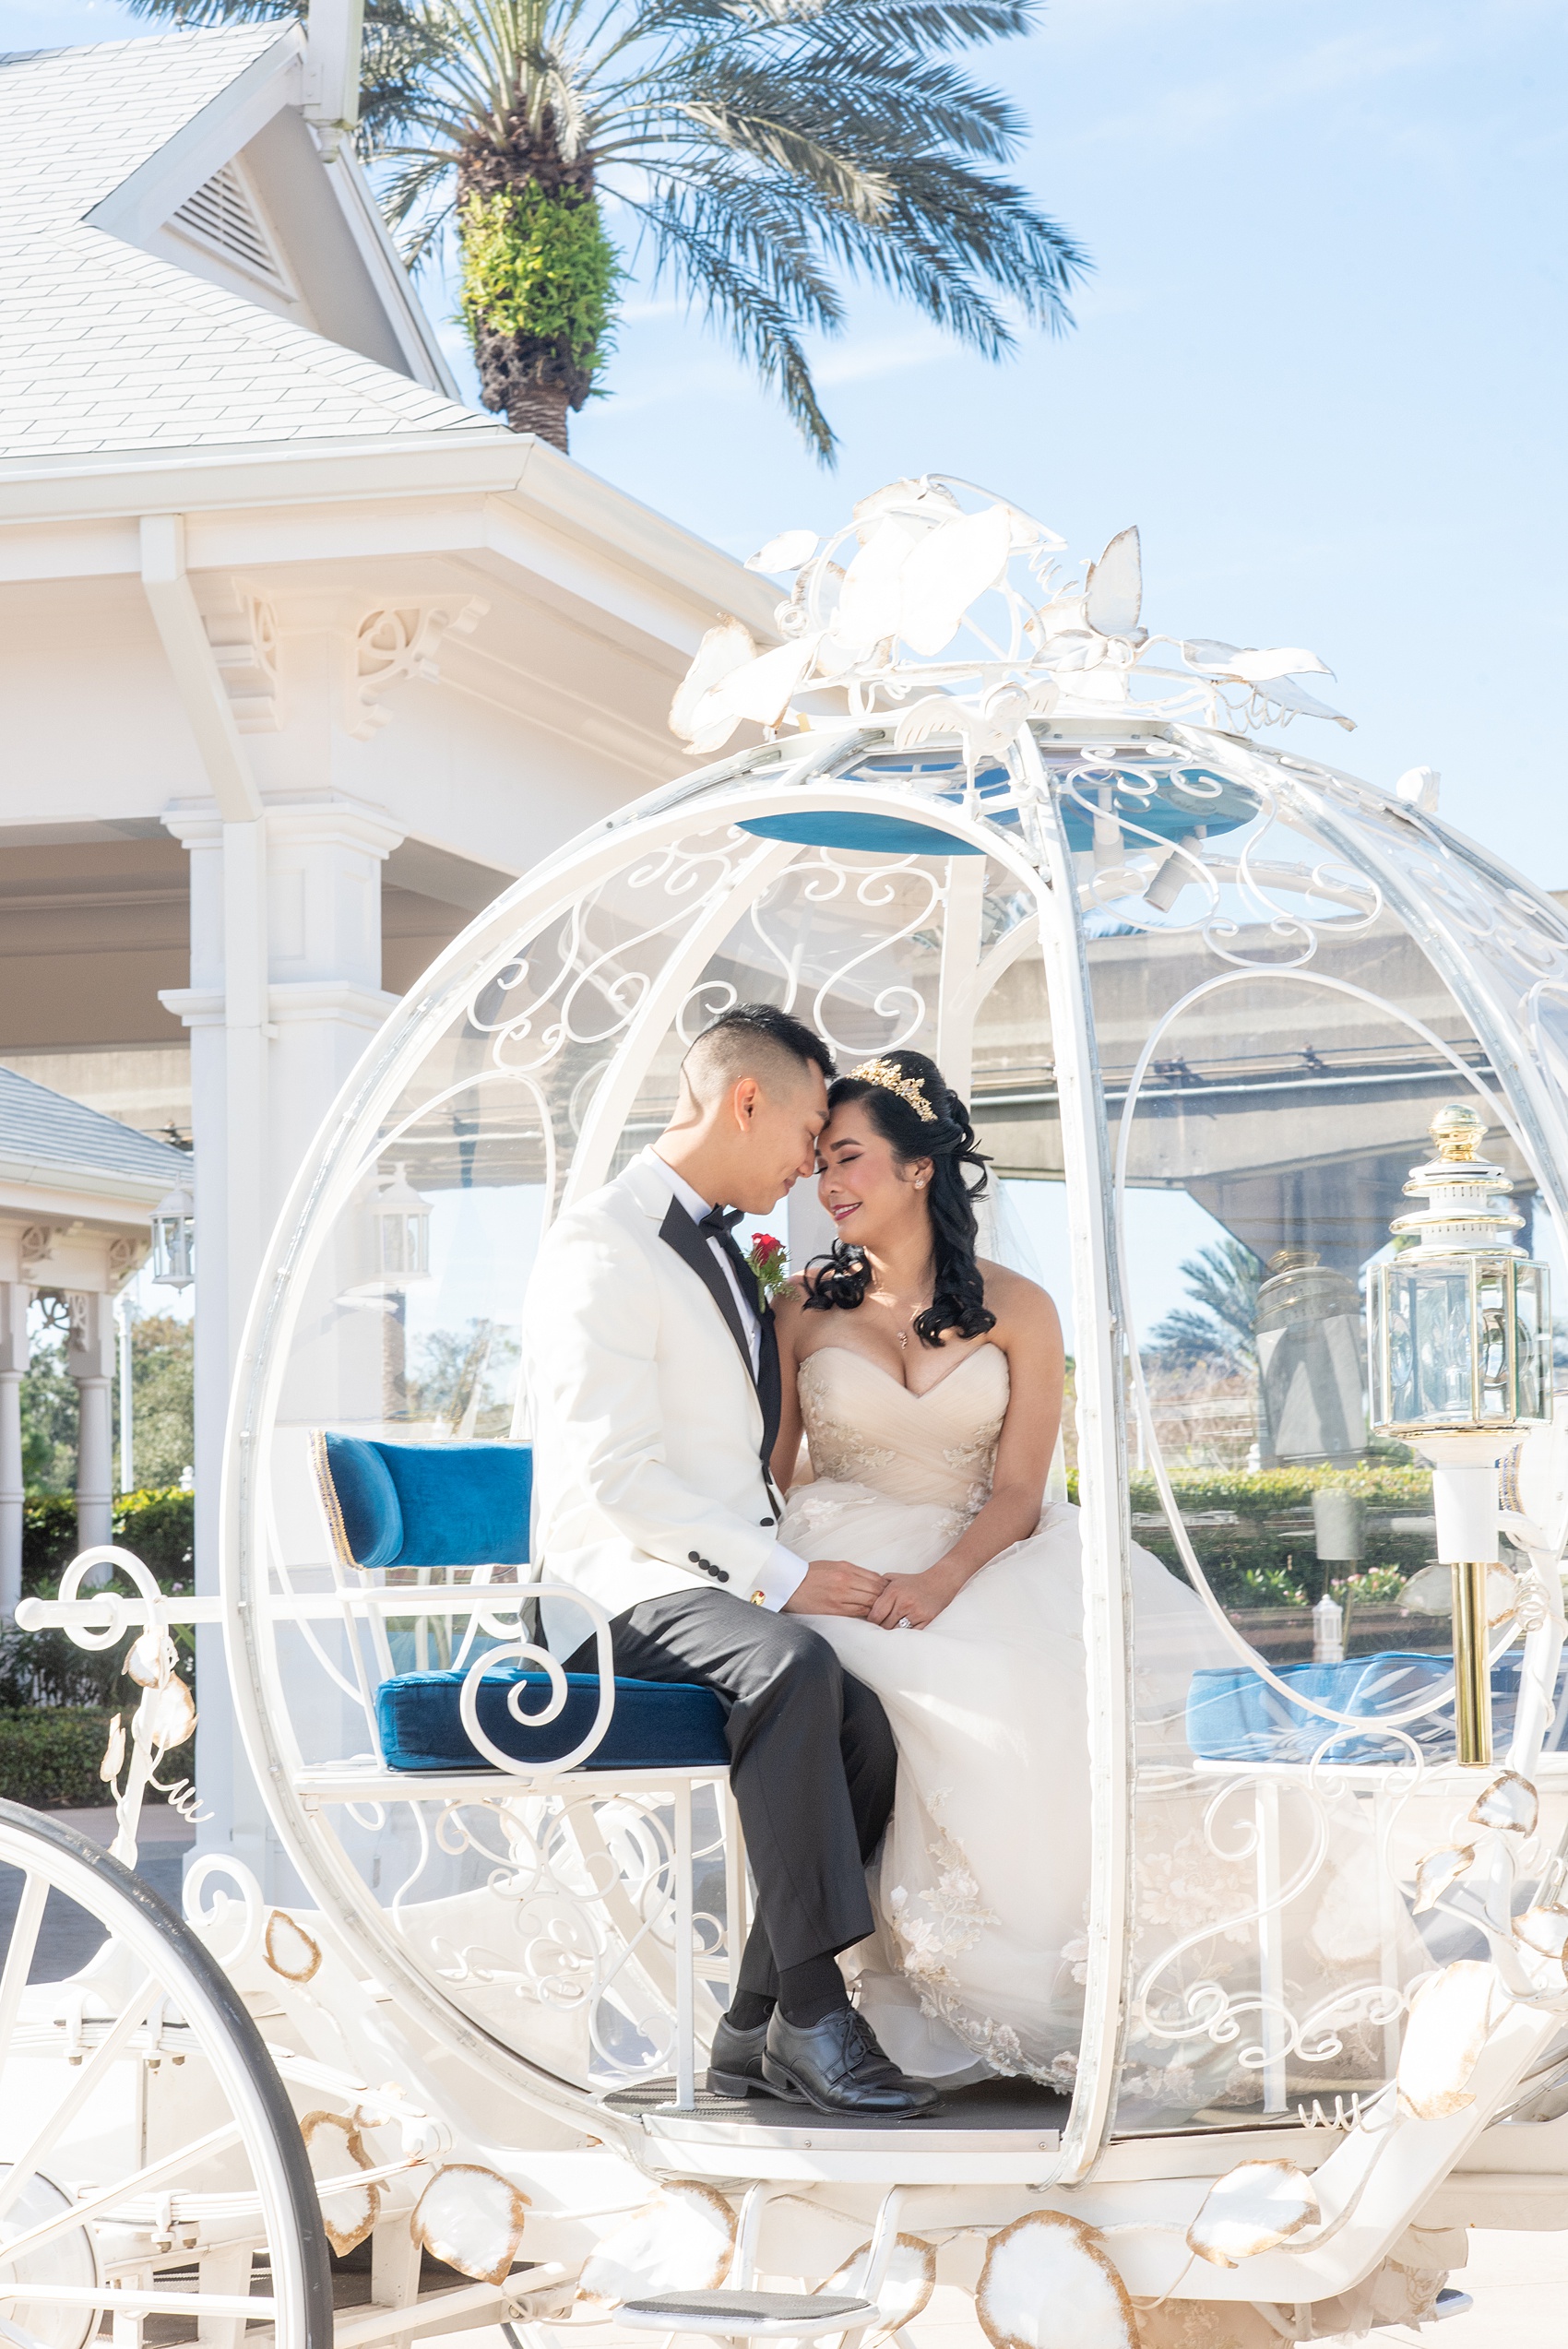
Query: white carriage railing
100, 1618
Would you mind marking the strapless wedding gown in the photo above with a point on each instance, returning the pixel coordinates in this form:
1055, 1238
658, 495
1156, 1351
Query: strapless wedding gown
980, 1888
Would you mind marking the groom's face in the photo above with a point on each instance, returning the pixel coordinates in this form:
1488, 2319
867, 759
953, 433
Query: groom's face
778, 1130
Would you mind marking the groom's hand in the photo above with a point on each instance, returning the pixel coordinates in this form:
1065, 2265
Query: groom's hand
832, 1586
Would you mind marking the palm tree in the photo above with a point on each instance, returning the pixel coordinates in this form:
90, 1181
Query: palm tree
1224, 1281
755, 150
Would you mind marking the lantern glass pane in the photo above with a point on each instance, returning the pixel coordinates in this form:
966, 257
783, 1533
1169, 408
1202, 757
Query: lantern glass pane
1532, 1311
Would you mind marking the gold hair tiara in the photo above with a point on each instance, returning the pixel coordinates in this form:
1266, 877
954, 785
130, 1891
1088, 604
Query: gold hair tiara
892, 1080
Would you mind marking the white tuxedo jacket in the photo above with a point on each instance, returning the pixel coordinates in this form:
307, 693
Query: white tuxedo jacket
647, 1426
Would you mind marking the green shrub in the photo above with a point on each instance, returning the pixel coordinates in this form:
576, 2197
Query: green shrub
50, 1757
1268, 1556
155, 1526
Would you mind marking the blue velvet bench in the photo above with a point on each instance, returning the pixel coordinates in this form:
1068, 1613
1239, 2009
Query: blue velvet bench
445, 1505
1234, 1716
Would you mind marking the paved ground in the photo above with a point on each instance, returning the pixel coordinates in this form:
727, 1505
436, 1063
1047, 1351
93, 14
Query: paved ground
68, 1937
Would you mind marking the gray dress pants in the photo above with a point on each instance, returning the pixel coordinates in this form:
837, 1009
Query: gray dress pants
811, 1764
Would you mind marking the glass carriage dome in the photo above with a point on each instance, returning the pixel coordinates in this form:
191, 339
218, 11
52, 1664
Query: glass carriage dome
1207, 996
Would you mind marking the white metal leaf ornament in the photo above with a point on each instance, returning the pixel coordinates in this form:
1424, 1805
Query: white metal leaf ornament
1431, 1592
1251, 2209
1048, 2283
761, 690
335, 2148
1545, 1930
787, 552
472, 2218
288, 1949
1448, 2026
165, 1716
944, 573
726, 647
681, 2241
1438, 1870
1510, 1803
871, 602
905, 2287
1113, 592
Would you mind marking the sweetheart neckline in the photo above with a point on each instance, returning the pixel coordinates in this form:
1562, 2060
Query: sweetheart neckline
916, 1394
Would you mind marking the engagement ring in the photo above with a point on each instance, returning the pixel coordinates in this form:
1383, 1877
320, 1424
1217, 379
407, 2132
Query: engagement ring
904, 1624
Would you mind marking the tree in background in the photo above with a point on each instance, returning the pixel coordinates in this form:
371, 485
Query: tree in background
49, 1416
757, 150
1224, 1282
162, 1399
162, 1390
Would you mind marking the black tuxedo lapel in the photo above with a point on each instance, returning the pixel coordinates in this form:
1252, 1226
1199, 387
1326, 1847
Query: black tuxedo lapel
692, 1248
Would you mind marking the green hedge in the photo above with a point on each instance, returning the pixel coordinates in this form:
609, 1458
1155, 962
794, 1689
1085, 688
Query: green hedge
158, 1526
1268, 1556
48, 1757
155, 1526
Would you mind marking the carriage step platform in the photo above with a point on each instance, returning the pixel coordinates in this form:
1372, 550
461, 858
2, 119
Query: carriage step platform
749, 2316
997, 2128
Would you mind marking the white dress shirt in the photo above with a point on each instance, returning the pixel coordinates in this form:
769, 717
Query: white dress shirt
787, 1571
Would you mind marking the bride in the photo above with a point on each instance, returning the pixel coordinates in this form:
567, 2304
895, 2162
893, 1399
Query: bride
928, 1385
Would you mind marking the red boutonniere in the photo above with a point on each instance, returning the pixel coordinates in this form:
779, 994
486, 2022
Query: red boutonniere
769, 1261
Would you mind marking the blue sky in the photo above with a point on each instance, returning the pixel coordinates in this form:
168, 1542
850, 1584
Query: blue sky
1320, 361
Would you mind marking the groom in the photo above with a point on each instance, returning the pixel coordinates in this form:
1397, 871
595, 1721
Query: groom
653, 1367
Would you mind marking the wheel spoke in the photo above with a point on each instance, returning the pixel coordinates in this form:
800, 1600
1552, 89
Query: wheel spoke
87, 2080
19, 1957
109, 2198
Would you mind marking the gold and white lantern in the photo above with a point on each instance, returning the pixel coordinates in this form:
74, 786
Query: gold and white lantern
1459, 1331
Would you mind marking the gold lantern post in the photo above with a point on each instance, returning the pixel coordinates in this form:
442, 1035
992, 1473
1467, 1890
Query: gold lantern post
1459, 1329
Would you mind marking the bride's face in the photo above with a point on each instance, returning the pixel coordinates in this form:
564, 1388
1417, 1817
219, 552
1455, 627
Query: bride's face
870, 1196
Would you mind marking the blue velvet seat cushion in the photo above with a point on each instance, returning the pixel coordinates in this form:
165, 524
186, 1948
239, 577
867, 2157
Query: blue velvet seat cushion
656, 1723
432, 1504
1234, 1716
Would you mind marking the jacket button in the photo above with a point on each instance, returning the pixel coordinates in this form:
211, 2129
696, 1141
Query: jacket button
768, 1521
722, 1576
693, 1558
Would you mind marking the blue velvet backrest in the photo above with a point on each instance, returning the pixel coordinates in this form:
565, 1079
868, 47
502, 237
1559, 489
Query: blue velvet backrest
425, 1504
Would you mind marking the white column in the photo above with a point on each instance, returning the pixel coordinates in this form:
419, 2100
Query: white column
15, 1299
89, 1357
285, 993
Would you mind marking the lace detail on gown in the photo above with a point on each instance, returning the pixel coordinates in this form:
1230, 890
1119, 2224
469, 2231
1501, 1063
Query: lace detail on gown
980, 1888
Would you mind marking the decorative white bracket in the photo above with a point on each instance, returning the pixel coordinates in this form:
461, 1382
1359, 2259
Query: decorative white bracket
395, 642
242, 628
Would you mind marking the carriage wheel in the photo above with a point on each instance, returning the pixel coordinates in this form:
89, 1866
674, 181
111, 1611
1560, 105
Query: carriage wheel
154, 2186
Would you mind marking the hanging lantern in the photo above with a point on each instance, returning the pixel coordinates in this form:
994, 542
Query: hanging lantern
402, 1232
173, 1239
1460, 1320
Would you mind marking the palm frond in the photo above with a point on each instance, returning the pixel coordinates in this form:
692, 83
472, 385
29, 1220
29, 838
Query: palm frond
756, 323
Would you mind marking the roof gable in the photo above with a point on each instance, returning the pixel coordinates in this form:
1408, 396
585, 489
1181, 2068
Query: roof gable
55, 1139
182, 267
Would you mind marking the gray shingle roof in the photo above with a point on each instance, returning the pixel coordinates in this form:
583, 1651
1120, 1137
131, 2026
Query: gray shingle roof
104, 348
60, 1137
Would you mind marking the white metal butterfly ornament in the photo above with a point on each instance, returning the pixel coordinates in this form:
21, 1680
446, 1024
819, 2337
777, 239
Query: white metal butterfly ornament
948, 610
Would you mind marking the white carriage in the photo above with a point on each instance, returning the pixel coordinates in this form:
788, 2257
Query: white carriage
1318, 2018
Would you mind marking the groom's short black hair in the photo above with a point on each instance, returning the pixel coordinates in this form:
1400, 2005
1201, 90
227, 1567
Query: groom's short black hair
741, 1042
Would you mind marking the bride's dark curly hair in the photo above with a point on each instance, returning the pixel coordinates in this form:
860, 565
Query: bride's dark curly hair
948, 1140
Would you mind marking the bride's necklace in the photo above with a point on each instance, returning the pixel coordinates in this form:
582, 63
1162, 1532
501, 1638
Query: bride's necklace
902, 1332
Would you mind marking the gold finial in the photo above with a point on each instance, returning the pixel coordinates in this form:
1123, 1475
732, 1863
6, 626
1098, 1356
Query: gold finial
891, 1078
1457, 1131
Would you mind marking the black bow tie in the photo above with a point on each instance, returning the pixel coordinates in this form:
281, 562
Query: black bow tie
719, 1221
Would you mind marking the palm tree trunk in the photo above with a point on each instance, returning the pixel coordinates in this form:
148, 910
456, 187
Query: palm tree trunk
542, 408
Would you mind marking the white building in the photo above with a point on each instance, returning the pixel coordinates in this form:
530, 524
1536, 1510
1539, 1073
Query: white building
300, 659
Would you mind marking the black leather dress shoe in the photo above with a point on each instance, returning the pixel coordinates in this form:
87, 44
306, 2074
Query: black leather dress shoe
838, 2066
734, 2065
